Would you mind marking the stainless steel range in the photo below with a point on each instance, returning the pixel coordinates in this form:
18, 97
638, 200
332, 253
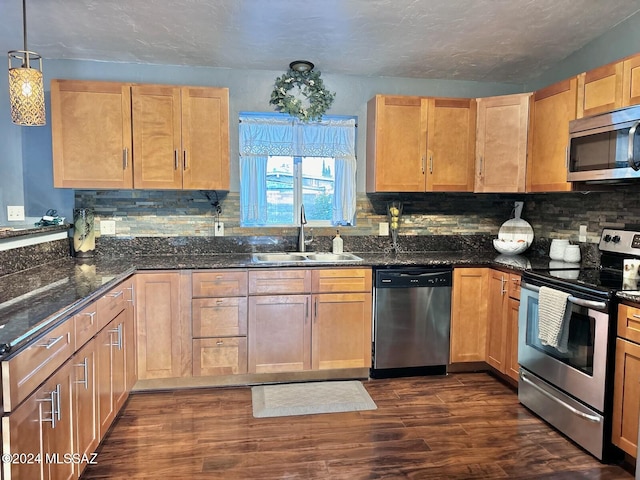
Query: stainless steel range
567, 378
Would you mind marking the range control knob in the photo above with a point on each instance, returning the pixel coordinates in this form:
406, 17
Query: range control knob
615, 239
607, 238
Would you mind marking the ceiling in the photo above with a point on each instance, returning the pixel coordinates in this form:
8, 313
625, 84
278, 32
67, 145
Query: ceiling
483, 40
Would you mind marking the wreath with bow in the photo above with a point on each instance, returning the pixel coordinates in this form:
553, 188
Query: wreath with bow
310, 86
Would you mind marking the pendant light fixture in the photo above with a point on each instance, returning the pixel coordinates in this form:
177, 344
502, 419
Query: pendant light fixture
26, 85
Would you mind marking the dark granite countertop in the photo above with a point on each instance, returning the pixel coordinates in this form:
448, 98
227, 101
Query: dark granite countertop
37, 299
22, 231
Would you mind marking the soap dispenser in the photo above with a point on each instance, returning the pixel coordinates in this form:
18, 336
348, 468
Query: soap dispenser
337, 243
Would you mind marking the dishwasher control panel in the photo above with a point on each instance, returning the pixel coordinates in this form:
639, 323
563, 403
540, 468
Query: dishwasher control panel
413, 278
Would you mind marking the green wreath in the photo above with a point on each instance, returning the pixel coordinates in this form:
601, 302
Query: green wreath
310, 86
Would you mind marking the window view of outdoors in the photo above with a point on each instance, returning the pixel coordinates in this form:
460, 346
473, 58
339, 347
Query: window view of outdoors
317, 183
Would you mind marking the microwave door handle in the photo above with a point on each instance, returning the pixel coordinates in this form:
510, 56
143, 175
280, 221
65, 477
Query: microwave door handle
632, 134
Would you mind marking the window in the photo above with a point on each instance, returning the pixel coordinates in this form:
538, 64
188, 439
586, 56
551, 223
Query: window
285, 163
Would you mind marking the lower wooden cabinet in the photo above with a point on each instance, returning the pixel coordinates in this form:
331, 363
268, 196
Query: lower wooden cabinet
111, 383
40, 432
341, 331
329, 328
85, 397
502, 323
219, 356
626, 388
162, 345
469, 315
279, 333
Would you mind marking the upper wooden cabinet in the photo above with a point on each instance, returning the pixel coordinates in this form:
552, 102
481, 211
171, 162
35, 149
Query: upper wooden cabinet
180, 137
552, 108
418, 144
91, 134
501, 143
121, 136
600, 90
609, 87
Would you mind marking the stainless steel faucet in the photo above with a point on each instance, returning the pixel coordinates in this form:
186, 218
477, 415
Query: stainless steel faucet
302, 243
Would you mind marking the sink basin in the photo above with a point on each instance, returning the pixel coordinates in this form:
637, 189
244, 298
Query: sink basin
333, 257
311, 257
279, 257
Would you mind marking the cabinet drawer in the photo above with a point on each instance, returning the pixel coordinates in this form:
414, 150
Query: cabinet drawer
30, 367
514, 286
222, 283
279, 281
629, 323
219, 356
219, 317
110, 305
341, 280
85, 325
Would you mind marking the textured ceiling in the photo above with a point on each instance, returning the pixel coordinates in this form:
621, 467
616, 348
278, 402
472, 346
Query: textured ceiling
484, 40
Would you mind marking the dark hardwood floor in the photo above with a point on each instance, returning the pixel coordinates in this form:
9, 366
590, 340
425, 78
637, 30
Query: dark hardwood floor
462, 426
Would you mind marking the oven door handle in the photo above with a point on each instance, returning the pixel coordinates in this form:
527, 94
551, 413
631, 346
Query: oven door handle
578, 301
586, 416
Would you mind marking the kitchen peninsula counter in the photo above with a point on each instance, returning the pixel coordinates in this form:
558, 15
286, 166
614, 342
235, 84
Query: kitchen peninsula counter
37, 299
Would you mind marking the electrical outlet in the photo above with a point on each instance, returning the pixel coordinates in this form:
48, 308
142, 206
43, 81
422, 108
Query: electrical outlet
218, 229
15, 213
383, 229
582, 236
107, 227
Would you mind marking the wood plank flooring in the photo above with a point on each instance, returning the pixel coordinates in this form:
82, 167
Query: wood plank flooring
462, 426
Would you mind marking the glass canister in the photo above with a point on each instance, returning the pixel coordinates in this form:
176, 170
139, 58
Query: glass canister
84, 237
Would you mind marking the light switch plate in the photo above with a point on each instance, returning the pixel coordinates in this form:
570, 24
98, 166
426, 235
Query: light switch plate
15, 213
107, 227
383, 229
218, 229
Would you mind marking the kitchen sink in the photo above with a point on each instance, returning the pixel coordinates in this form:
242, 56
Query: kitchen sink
310, 257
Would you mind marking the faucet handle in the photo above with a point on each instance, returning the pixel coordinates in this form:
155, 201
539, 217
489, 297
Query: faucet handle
307, 242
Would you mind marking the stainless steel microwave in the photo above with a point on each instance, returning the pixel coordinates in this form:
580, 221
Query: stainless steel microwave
605, 147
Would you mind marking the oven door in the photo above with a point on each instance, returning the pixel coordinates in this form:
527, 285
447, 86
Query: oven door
581, 370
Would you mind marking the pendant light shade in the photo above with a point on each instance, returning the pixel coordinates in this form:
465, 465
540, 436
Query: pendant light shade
26, 89
26, 84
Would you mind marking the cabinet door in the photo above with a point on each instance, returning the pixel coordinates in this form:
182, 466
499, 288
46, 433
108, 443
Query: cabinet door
396, 143
341, 331
85, 397
469, 315
551, 111
626, 396
58, 435
511, 367
600, 90
104, 381
629, 323
501, 143
22, 434
496, 319
205, 138
157, 149
91, 134
160, 349
451, 145
631, 81
131, 359
279, 333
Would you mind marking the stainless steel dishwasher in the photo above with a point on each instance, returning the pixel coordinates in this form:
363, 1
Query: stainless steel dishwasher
411, 321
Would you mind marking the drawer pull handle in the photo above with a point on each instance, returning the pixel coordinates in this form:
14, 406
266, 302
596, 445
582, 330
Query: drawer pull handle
118, 332
85, 367
51, 342
218, 302
132, 293
635, 315
219, 343
115, 294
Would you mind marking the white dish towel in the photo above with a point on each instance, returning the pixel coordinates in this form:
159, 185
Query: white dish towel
553, 318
